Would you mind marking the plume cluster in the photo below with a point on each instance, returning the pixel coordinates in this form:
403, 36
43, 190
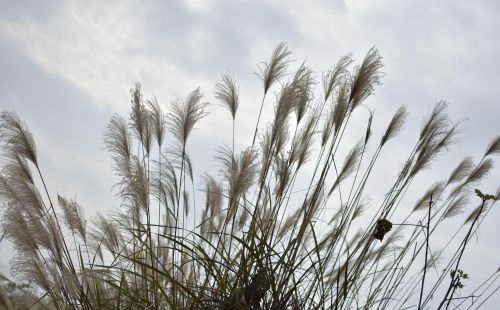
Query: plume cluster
281, 225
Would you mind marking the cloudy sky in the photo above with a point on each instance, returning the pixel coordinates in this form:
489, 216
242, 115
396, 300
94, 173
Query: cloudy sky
67, 66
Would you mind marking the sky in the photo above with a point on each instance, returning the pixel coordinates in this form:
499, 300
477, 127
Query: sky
68, 66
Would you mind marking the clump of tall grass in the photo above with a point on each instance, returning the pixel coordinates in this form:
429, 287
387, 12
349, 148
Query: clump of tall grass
259, 240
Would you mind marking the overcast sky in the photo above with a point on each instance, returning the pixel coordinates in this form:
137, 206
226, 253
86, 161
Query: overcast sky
67, 66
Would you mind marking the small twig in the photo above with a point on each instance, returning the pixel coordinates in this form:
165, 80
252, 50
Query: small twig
451, 288
414, 225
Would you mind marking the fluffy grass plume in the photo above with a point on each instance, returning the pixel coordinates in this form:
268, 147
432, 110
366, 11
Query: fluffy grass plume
281, 225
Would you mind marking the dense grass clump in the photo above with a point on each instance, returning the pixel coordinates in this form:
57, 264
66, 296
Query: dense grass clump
257, 241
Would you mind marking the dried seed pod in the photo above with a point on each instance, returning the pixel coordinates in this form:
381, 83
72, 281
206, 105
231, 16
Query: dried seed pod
383, 227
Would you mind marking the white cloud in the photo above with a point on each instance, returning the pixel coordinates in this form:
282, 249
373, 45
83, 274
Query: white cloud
101, 48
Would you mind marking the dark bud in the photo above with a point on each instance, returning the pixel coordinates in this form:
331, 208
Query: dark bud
383, 227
